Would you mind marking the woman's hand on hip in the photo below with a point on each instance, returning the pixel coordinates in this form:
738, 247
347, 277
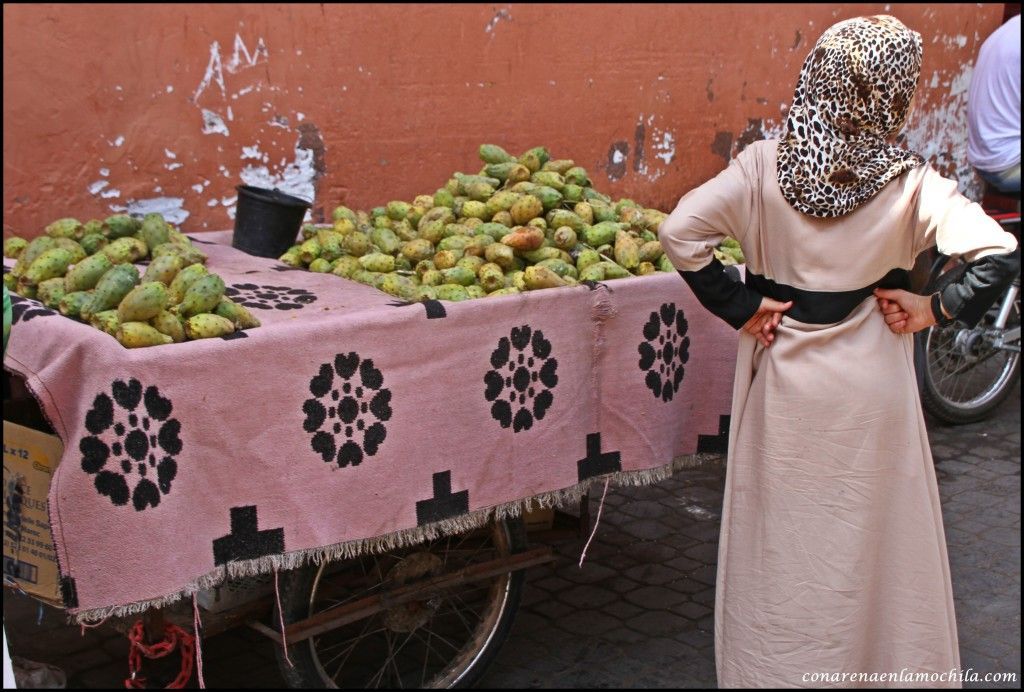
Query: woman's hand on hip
904, 312
767, 318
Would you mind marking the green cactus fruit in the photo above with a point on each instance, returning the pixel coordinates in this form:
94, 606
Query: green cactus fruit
126, 250
201, 296
120, 226
164, 269
50, 292
548, 196
564, 238
459, 275
613, 270
577, 175
559, 166
397, 210
651, 251
105, 321
417, 250
330, 245
548, 179
475, 291
601, 233
501, 255
538, 277
386, 240
35, 248
10, 282
52, 263
424, 293
474, 210
356, 244
423, 266
310, 250
92, 227
585, 211
143, 303
560, 267
496, 231
453, 292
471, 263
345, 266
563, 217
477, 245
182, 280
592, 272
140, 335
291, 258
73, 302
541, 254
377, 262
154, 231
112, 287
320, 266
572, 193
492, 153
343, 212
627, 250
532, 160
238, 314
602, 212
398, 286
169, 324
64, 228
586, 258
665, 264
14, 246
432, 277
93, 243
508, 291
646, 268
526, 208
443, 198
446, 259
491, 277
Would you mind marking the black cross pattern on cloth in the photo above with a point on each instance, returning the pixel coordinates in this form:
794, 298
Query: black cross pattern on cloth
270, 297
665, 351
131, 449
597, 463
445, 504
435, 308
349, 410
522, 379
25, 309
246, 541
715, 444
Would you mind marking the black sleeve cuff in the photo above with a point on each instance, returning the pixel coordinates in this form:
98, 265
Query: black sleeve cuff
969, 298
937, 313
722, 294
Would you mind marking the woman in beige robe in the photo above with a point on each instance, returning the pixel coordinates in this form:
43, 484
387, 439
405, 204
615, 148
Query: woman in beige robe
832, 557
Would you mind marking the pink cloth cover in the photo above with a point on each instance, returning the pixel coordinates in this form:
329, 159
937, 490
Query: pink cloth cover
351, 421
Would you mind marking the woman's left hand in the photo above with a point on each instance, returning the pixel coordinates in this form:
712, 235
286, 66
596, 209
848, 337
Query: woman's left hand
904, 312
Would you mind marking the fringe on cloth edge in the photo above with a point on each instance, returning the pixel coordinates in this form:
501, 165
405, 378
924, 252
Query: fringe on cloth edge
398, 539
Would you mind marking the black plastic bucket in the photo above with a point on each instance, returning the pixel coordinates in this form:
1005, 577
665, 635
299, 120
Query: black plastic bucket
267, 222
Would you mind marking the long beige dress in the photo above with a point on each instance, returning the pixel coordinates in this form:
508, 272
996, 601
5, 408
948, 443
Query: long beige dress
832, 557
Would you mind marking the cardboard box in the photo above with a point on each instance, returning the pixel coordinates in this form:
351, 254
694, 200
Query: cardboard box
30, 458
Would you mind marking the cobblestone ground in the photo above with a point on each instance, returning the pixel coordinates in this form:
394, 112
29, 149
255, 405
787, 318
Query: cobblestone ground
640, 612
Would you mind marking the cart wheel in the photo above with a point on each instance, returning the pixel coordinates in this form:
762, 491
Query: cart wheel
446, 639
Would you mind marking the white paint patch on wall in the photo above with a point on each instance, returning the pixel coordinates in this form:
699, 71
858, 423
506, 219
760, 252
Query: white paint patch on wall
170, 154
213, 124
173, 166
503, 13
295, 178
171, 208
116, 142
939, 134
111, 193
665, 149
197, 188
95, 188
105, 172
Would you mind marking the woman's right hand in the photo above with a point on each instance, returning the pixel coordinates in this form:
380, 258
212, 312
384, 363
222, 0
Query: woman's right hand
767, 318
904, 312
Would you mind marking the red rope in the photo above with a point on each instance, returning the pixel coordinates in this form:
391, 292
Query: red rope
175, 637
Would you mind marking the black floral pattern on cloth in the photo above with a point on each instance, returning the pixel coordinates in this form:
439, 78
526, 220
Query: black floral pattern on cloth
348, 411
25, 309
522, 379
270, 297
133, 444
665, 351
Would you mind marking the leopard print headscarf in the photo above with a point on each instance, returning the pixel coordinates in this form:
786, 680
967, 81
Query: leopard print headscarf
854, 92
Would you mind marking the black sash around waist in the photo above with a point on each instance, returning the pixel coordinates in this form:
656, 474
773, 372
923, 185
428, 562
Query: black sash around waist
823, 307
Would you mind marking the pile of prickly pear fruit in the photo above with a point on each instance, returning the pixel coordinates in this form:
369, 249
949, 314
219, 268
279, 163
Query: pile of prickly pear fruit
522, 223
87, 272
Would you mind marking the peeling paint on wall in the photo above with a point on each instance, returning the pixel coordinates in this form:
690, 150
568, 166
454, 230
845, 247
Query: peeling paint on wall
213, 124
171, 208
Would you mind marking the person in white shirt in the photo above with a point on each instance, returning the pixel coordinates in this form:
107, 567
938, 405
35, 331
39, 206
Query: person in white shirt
993, 109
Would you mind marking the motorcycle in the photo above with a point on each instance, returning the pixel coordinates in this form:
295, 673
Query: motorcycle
965, 373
